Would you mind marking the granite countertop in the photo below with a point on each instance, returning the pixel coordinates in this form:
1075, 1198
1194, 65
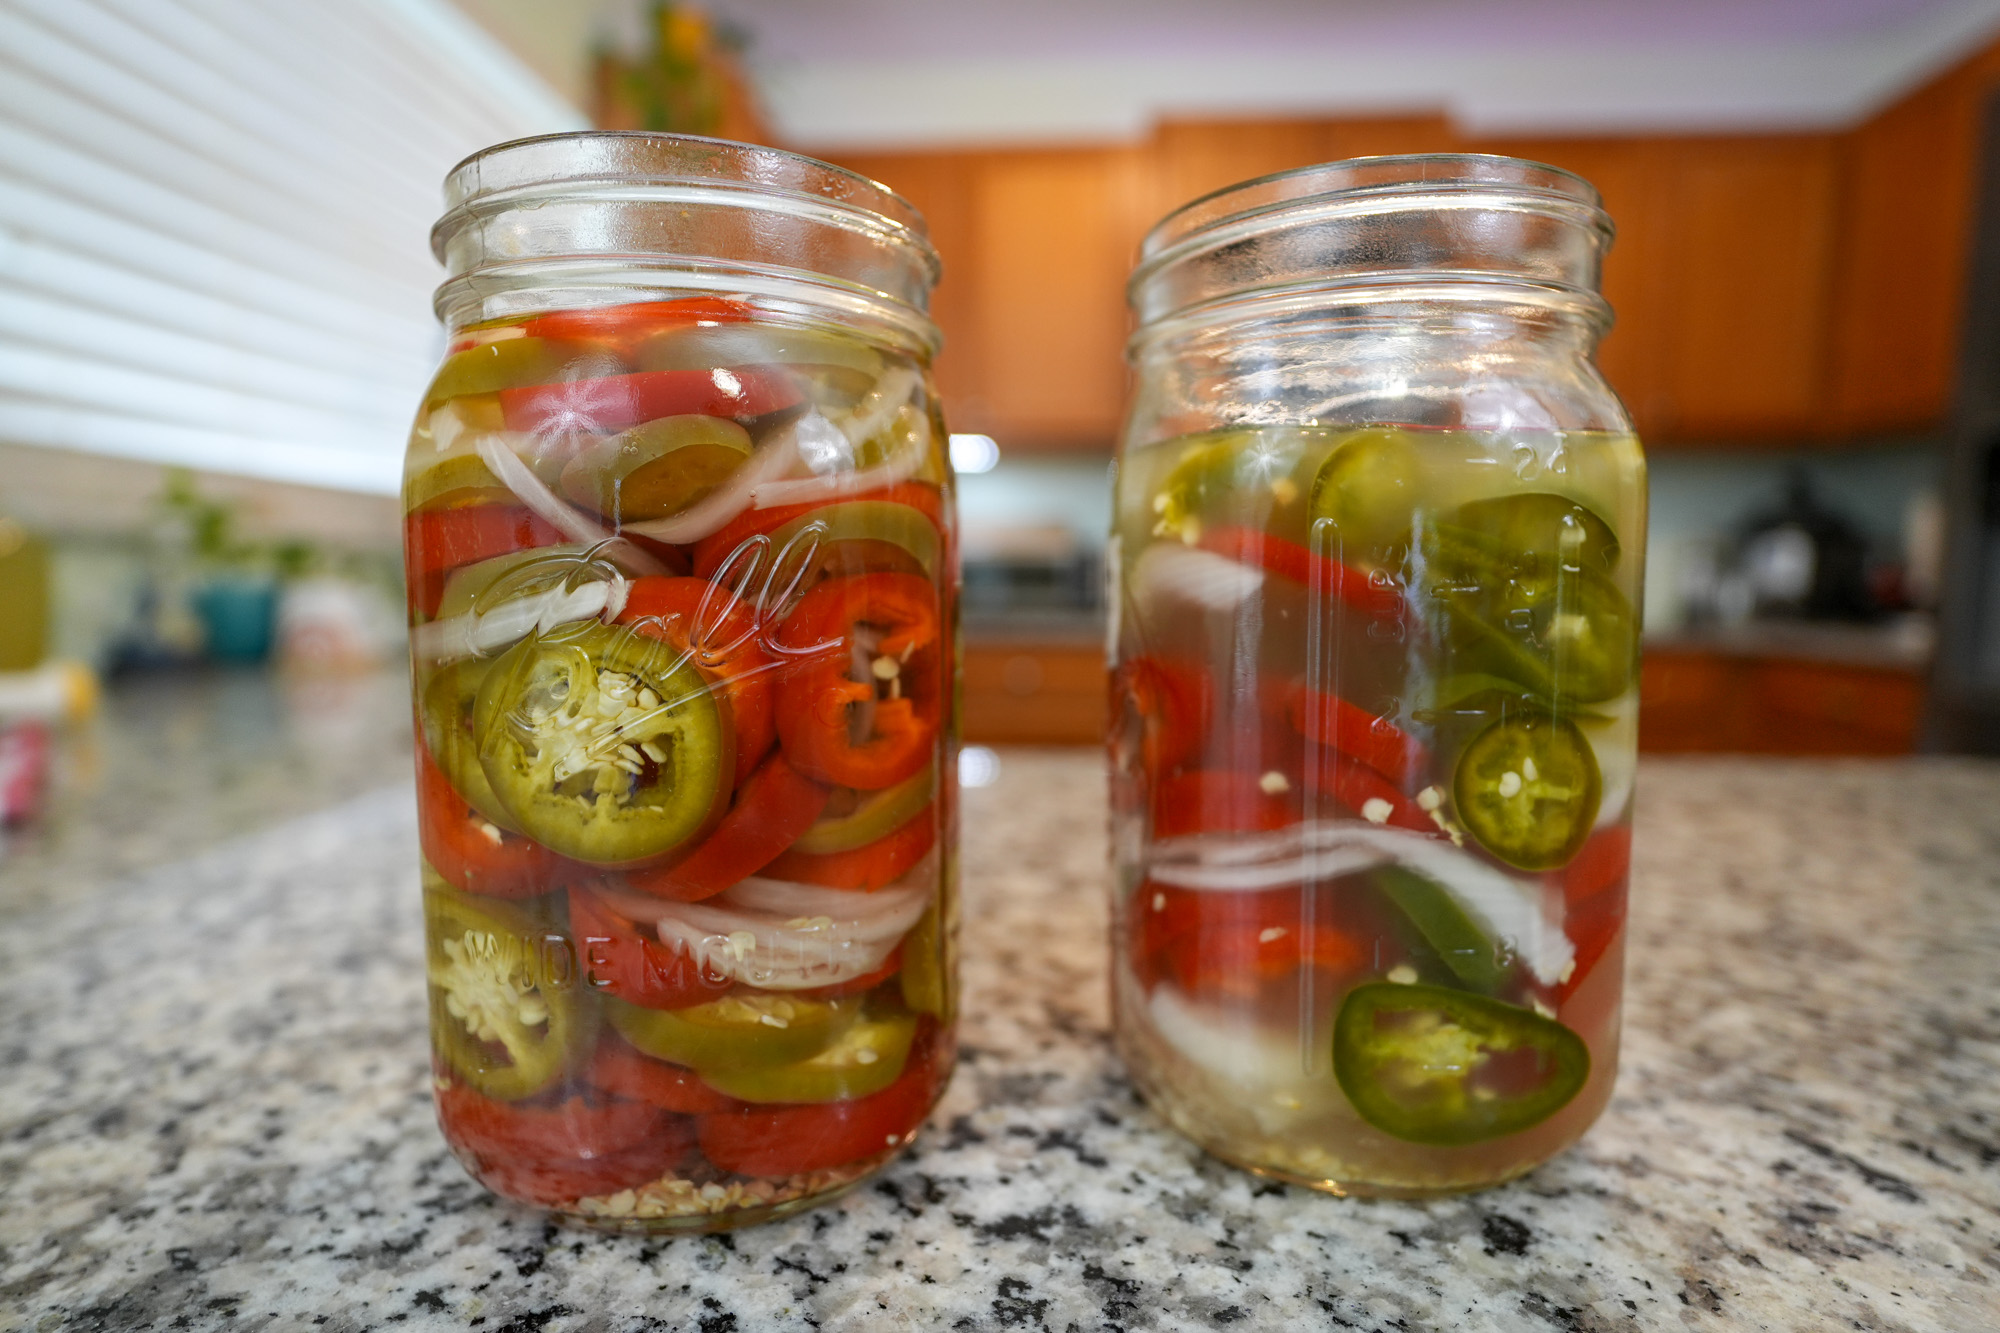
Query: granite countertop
217, 1108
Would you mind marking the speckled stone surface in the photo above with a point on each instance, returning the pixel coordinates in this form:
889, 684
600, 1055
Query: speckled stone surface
216, 1114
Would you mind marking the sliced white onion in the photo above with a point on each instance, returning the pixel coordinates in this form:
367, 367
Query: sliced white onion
772, 458
518, 477
1189, 574
482, 632
889, 396
778, 935
1615, 743
1507, 909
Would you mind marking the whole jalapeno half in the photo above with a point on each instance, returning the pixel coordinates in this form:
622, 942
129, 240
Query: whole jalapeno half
863, 711
504, 1012
605, 745
865, 1059
1432, 1065
1527, 787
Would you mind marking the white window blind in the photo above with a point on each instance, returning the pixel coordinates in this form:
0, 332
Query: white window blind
214, 221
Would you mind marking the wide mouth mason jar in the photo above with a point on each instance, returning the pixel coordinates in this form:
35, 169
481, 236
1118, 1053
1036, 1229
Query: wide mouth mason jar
680, 554
1378, 540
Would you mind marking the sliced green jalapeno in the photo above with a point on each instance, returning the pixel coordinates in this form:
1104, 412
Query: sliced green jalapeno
900, 525
447, 722
605, 746
512, 362
1559, 631
1370, 488
756, 1030
1464, 948
1431, 1065
1541, 523
866, 1058
504, 1011
1527, 788
873, 816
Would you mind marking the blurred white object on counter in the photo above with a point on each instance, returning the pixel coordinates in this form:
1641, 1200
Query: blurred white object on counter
335, 626
52, 692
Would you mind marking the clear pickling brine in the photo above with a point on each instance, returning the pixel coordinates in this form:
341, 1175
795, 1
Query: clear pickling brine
679, 541
1377, 558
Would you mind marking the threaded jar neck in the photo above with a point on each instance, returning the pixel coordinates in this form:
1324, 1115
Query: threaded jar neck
1457, 227
582, 219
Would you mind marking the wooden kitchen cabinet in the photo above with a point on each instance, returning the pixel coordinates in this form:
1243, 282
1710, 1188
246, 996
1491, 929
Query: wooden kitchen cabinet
1768, 287
1699, 700
1033, 694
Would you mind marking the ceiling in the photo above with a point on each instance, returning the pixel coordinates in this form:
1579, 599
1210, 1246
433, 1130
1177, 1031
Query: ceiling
889, 73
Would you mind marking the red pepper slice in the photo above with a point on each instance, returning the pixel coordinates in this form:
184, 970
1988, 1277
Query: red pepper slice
1355, 785
711, 552
619, 960
1594, 900
1375, 595
1208, 800
1174, 702
881, 862
472, 853
613, 402
559, 1154
786, 1140
624, 326
720, 630
436, 542
771, 810
618, 1070
1356, 732
1234, 945
823, 708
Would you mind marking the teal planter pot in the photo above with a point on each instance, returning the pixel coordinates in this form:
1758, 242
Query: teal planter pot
238, 616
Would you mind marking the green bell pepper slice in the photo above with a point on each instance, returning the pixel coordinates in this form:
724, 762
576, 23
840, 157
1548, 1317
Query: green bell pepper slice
1430, 1065
1527, 788
755, 1030
505, 1016
866, 1058
604, 744
876, 814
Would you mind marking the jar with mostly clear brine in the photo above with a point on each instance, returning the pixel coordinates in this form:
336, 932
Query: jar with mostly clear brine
1378, 541
679, 544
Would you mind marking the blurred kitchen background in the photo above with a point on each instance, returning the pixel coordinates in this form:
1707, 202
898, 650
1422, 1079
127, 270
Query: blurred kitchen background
215, 280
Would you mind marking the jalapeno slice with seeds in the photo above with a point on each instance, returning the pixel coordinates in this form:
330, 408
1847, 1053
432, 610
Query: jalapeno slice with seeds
1432, 1065
605, 746
1527, 788
504, 1013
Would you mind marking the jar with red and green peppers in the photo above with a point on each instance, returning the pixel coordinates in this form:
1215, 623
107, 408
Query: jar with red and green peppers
1376, 559
679, 540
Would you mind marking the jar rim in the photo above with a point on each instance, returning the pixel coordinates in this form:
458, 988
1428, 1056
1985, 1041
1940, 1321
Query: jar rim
1369, 177
1421, 217
635, 157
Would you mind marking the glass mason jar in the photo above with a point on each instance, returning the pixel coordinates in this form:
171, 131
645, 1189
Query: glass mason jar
1378, 541
680, 552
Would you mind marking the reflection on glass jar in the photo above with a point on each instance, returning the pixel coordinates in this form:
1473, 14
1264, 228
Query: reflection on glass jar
1377, 551
679, 543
